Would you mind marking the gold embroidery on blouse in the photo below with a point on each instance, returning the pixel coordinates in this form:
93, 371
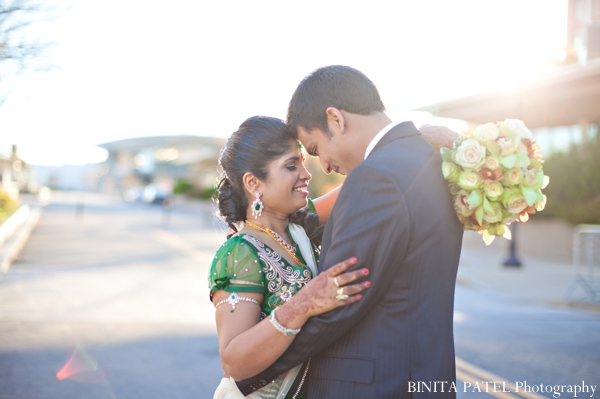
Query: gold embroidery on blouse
276, 271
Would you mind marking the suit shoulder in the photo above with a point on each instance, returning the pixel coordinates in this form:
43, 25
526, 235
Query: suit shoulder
368, 173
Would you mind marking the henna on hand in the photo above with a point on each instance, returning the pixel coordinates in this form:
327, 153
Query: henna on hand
319, 295
304, 302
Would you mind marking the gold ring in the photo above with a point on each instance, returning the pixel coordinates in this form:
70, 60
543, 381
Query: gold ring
336, 282
340, 294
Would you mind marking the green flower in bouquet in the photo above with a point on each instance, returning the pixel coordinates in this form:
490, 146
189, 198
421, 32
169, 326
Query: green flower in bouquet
450, 171
493, 212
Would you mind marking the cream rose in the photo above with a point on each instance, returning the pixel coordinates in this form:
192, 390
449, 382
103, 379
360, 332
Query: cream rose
492, 162
494, 191
516, 204
513, 177
532, 178
486, 132
514, 201
468, 180
496, 216
470, 154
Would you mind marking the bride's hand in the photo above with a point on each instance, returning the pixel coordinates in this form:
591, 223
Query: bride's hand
322, 294
438, 136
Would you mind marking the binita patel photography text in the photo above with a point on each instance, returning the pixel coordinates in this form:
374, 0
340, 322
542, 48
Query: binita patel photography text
556, 390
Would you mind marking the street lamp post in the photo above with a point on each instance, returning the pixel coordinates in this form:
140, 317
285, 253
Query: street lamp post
512, 260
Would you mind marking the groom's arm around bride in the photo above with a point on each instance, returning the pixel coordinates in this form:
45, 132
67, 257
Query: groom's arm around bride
395, 214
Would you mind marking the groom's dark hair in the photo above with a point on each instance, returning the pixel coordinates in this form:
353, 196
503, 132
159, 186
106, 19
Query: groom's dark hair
335, 86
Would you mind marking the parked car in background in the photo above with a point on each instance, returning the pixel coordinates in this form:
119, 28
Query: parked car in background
155, 194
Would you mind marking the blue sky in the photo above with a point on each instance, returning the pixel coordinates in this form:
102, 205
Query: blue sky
135, 68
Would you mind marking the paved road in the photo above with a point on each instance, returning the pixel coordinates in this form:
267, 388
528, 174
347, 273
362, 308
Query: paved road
521, 341
121, 294
110, 301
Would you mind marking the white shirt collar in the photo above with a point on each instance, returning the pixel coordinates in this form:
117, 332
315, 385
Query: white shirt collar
379, 136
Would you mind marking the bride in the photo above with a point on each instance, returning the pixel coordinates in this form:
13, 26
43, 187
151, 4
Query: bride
263, 280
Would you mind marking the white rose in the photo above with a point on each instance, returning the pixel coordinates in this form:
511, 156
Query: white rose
518, 127
486, 132
469, 180
470, 154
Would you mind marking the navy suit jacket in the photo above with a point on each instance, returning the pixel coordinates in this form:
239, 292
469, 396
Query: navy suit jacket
395, 214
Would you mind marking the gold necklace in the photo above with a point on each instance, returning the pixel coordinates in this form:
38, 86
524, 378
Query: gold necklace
277, 238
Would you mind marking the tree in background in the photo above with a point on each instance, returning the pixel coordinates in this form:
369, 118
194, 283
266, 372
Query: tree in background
8, 206
574, 189
18, 51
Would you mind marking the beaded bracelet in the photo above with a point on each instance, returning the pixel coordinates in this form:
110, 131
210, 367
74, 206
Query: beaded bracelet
279, 327
234, 299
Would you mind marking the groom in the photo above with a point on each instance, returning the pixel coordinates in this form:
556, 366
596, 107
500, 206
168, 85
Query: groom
395, 214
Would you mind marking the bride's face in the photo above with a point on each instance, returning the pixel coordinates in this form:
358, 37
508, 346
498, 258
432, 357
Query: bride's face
286, 188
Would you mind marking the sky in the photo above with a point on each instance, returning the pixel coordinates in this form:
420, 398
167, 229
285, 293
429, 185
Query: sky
129, 68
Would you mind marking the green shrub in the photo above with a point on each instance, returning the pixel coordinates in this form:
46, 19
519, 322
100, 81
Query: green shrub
207, 193
574, 189
183, 187
8, 206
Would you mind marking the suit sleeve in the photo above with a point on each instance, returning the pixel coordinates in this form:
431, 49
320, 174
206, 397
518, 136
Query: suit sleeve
372, 223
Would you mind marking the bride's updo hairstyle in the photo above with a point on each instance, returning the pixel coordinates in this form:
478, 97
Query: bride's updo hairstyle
258, 141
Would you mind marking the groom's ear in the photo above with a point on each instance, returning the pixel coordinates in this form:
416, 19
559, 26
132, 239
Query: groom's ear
335, 120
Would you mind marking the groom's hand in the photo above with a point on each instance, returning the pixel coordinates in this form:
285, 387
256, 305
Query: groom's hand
438, 136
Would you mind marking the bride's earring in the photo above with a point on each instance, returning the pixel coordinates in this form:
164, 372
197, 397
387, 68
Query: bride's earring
257, 206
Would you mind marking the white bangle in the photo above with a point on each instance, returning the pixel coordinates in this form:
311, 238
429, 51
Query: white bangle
279, 327
234, 299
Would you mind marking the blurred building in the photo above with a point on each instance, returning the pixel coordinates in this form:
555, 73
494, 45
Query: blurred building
562, 108
67, 177
583, 36
162, 160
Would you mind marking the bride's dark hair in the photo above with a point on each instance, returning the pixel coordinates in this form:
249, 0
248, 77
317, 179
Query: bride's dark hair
257, 142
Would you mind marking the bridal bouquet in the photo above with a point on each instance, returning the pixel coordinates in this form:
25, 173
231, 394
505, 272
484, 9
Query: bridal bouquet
495, 176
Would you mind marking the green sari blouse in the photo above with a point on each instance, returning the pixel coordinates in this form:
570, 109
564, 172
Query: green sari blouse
245, 264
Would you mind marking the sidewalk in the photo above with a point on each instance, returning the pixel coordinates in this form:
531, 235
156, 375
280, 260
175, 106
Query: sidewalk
546, 275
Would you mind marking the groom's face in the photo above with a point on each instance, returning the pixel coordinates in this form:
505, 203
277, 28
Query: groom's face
328, 148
